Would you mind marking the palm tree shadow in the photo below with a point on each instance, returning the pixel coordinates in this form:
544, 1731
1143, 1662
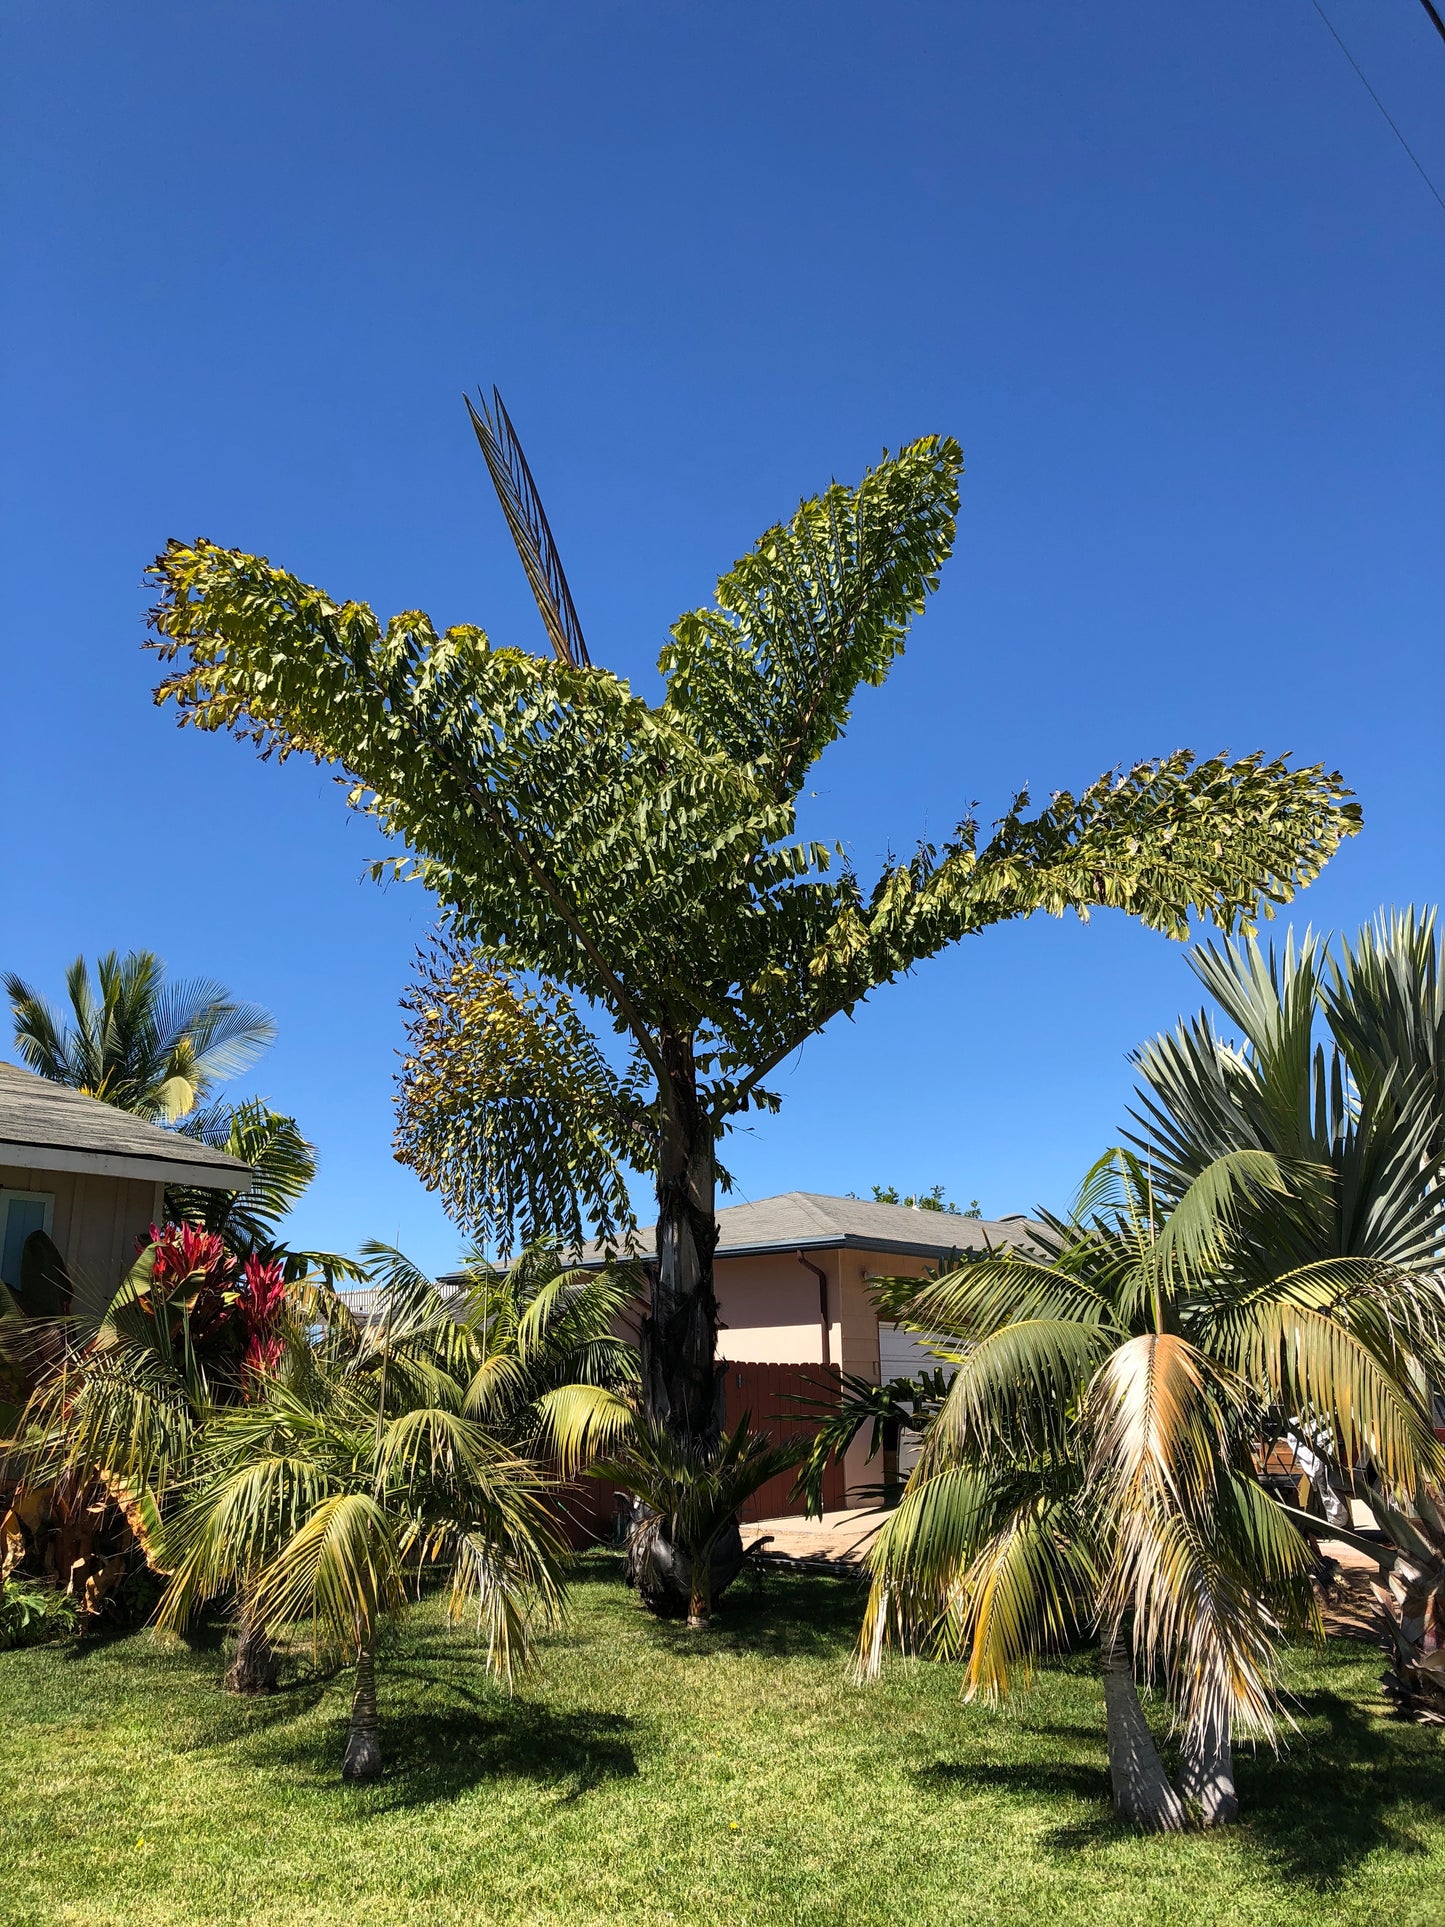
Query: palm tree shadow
814, 1617
238, 1719
445, 1730
1048, 1780
432, 1758
1351, 1785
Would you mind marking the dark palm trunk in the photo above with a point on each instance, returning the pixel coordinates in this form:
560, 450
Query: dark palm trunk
682, 1383
257, 1664
1142, 1793
363, 1738
1206, 1777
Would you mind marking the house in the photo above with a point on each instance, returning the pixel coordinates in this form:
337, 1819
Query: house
90, 1177
796, 1308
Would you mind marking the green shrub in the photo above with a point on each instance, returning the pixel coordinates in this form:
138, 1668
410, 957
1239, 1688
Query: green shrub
31, 1614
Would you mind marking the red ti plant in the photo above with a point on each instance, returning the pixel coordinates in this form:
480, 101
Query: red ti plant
193, 1274
261, 1305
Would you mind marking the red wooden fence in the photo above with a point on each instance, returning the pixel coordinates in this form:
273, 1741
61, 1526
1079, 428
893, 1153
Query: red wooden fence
770, 1395
773, 1395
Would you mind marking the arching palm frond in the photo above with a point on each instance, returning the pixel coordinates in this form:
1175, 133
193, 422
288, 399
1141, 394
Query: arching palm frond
984, 1294
582, 1424
1021, 1385
1313, 1364
283, 1165
991, 1568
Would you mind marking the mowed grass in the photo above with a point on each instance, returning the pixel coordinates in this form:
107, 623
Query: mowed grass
646, 1775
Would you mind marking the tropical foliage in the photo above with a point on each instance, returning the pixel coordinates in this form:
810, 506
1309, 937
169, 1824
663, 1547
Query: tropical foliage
1094, 1464
135, 1041
1334, 1063
363, 1467
683, 1544
593, 853
116, 1413
116, 1405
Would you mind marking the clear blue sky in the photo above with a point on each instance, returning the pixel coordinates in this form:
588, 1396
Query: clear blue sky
1163, 270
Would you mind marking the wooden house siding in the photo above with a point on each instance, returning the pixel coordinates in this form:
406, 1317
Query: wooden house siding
95, 1221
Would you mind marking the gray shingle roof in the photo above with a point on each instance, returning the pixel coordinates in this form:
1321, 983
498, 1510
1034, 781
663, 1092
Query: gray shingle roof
47, 1127
810, 1220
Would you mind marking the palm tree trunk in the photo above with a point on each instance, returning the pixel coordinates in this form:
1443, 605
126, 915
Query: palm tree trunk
1206, 1778
1142, 1793
699, 1610
257, 1663
681, 1381
363, 1739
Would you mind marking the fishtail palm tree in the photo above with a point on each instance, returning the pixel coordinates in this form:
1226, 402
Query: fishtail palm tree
592, 852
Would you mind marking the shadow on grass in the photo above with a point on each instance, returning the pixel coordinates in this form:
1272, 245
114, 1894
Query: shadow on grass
1349, 1785
443, 1731
435, 1757
775, 1616
1044, 1779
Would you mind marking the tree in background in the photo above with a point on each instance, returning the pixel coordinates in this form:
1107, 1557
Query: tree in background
593, 853
933, 1199
134, 1041
117, 1405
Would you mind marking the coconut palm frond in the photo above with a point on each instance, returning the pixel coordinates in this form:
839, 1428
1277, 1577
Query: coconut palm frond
512, 1602
1029, 1590
1198, 1623
975, 1300
437, 1446
498, 1386
1159, 1418
235, 1522
917, 1560
1313, 1364
575, 1303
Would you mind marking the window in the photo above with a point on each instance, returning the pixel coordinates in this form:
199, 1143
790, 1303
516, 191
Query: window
21, 1212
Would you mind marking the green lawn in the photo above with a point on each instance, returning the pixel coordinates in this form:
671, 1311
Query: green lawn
645, 1776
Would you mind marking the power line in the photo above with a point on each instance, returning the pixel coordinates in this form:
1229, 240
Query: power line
1376, 98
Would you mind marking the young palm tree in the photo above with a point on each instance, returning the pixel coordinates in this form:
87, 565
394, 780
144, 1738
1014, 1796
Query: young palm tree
1339, 1066
516, 1332
131, 1039
684, 1542
1093, 1463
338, 1489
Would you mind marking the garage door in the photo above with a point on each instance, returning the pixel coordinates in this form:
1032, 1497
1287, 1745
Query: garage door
903, 1355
